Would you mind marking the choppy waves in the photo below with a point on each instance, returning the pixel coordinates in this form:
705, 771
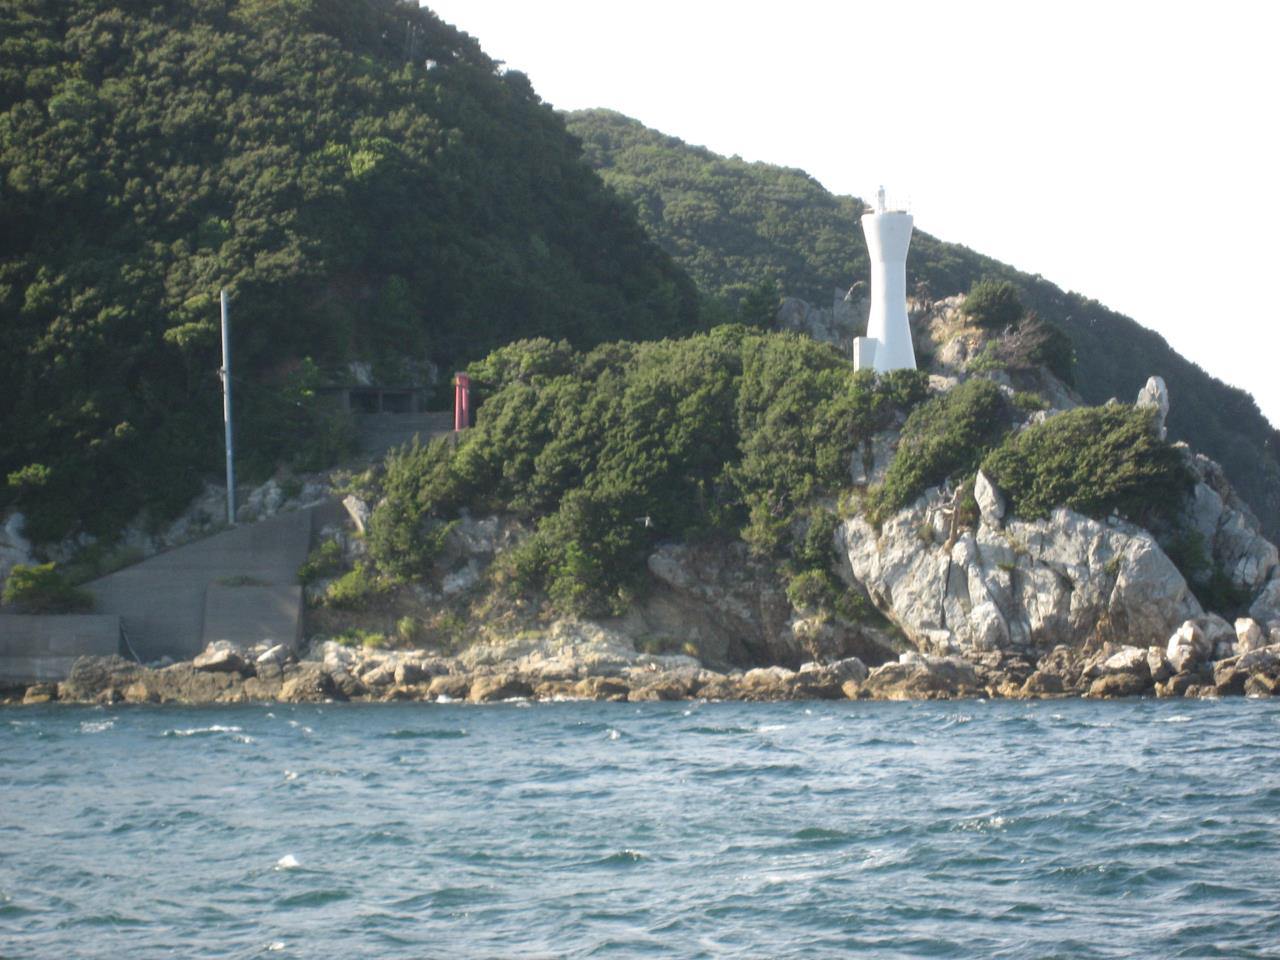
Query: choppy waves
1066, 829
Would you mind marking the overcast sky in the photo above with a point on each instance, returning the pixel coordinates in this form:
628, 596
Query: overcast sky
1127, 151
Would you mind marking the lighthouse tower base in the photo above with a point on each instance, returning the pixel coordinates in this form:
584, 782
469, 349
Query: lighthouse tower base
864, 353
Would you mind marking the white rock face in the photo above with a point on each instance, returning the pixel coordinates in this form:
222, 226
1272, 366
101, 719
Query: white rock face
264, 501
991, 503
1233, 538
219, 656
1030, 585
335, 656
358, 510
457, 581
870, 462
1158, 664
1126, 660
836, 325
1155, 395
1266, 605
1187, 646
569, 649
276, 654
1249, 635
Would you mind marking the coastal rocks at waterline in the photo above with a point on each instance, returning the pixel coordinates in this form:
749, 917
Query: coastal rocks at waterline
1015, 585
732, 608
585, 661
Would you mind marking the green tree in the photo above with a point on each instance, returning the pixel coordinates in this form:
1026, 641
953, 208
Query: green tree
994, 304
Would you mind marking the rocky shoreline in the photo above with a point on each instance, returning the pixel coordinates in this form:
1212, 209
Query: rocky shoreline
581, 661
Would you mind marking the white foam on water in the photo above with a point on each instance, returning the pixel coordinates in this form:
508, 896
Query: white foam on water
275, 945
876, 858
445, 698
213, 728
1176, 718
288, 862
96, 726
982, 824
614, 734
293, 723
770, 727
291, 775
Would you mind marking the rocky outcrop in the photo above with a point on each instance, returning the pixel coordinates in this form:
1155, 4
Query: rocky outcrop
1022, 586
845, 319
358, 511
1154, 396
221, 656
729, 606
918, 676
1232, 536
991, 502
869, 462
732, 609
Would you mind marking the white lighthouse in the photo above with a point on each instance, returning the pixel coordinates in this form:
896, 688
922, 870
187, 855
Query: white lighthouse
887, 345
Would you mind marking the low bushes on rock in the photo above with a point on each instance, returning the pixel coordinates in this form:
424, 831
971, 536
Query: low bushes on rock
945, 437
356, 589
993, 303
1093, 460
730, 433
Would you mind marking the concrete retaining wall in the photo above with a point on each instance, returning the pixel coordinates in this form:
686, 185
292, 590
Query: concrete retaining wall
252, 614
163, 599
42, 648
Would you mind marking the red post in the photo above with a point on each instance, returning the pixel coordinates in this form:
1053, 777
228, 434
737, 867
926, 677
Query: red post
461, 401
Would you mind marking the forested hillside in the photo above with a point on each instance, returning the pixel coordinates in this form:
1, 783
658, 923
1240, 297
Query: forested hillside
367, 183
732, 224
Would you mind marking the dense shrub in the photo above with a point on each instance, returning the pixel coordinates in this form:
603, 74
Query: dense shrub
944, 438
356, 589
366, 182
725, 433
811, 590
41, 588
994, 304
1093, 460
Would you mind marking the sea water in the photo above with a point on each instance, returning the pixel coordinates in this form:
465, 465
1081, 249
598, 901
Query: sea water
964, 829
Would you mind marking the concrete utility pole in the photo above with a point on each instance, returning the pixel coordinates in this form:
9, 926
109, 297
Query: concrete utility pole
225, 373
